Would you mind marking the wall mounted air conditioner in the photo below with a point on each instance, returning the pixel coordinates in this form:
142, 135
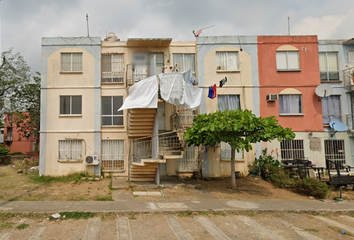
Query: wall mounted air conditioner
92, 160
272, 97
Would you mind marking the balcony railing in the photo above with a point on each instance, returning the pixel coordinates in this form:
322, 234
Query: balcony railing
330, 75
136, 72
348, 78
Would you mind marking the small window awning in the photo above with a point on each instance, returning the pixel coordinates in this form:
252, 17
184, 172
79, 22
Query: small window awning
349, 42
149, 42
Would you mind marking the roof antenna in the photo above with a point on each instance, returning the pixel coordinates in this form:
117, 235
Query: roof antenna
196, 34
288, 25
88, 32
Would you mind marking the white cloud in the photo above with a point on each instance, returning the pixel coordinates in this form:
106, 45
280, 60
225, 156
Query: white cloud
324, 26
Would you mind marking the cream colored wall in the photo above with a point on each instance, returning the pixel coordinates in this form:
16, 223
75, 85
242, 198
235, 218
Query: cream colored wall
237, 84
61, 127
54, 167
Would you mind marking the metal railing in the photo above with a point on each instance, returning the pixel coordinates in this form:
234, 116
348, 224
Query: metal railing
155, 146
136, 72
348, 78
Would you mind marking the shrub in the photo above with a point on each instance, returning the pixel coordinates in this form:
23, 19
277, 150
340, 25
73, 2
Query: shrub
313, 187
4, 157
266, 165
282, 180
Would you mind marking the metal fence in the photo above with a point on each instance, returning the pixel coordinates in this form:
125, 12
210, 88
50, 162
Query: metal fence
334, 151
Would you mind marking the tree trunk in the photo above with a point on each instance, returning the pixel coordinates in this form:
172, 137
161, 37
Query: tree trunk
233, 177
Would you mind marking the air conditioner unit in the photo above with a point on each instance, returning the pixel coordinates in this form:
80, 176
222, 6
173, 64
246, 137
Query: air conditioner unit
272, 97
92, 160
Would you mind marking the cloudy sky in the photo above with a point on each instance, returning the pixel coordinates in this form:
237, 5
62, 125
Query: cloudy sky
25, 22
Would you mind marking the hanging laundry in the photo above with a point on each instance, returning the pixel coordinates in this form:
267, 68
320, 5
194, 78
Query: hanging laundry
211, 92
214, 90
222, 82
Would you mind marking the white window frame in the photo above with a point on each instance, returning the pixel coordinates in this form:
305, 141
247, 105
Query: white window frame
71, 63
184, 68
290, 113
116, 62
287, 56
114, 112
112, 161
325, 70
70, 150
229, 66
71, 106
228, 102
292, 149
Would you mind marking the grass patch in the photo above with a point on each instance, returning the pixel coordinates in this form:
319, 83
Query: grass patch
222, 214
77, 215
14, 199
132, 217
61, 179
187, 214
311, 230
103, 198
22, 226
5, 225
110, 186
17, 153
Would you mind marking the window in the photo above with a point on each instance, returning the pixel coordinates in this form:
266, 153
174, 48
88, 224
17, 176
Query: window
112, 155
110, 114
112, 67
70, 150
156, 63
329, 66
229, 102
292, 149
288, 61
71, 62
351, 57
226, 152
227, 61
331, 109
290, 104
70, 105
334, 151
185, 62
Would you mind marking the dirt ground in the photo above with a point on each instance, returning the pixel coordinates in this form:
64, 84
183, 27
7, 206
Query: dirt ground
18, 187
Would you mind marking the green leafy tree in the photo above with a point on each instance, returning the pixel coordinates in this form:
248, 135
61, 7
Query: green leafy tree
238, 128
25, 105
14, 73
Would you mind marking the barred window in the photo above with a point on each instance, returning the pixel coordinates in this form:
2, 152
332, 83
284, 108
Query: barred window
71, 62
292, 149
70, 150
112, 67
112, 155
334, 151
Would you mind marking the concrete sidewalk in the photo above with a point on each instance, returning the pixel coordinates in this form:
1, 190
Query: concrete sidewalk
311, 206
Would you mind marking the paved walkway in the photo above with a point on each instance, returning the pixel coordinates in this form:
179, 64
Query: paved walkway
310, 206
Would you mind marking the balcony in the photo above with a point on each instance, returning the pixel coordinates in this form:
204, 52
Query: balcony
348, 78
137, 72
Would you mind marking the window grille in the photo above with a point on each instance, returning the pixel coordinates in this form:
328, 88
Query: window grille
334, 151
227, 61
288, 61
70, 150
112, 67
112, 155
292, 149
71, 62
110, 115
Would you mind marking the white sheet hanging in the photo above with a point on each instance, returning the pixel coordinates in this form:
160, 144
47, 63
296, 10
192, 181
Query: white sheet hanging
142, 94
175, 90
